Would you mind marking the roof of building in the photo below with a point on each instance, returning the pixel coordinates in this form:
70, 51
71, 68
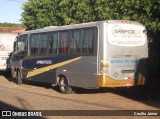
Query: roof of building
11, 29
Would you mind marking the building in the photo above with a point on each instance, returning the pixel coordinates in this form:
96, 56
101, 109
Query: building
7, 38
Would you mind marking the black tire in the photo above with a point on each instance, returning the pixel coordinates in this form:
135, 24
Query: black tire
63, 85
19, 78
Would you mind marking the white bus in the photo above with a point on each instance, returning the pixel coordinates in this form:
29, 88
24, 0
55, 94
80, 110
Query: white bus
6, 47
89, 55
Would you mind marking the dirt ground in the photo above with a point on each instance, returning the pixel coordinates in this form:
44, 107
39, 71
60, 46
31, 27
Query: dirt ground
38, 96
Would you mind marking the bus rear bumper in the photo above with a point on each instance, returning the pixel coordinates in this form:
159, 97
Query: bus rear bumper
106, 81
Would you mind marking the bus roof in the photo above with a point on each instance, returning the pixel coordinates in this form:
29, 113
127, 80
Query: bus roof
81, 25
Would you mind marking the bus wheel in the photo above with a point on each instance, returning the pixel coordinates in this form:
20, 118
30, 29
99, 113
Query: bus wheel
19, 78
13, 73
63, 85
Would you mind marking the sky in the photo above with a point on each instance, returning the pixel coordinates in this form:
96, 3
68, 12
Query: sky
10, 11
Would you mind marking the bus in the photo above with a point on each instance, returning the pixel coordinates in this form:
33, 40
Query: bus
6, 47
92, 55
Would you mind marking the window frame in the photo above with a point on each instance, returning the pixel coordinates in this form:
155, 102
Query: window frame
25, 47
53, 41
47, 39
30, 41
50, 35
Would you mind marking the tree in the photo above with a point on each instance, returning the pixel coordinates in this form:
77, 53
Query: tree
146, 12
10, 25
41, 13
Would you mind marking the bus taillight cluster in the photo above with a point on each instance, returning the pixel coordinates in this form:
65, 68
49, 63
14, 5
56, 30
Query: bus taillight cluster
104, 67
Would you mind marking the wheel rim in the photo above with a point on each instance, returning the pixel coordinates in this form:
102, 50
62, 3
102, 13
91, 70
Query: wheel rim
19, 76
63, 84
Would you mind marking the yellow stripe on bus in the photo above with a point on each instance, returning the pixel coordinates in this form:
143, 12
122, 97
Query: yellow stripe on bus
45, 69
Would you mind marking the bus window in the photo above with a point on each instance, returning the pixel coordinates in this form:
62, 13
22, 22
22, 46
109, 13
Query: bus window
53, 43
43, 40
63, 42
22, 45
34, 43
75, 42
88, 41
14, 46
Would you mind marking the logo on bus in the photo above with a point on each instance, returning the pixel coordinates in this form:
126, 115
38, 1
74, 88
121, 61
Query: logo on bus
44, 62
119, 32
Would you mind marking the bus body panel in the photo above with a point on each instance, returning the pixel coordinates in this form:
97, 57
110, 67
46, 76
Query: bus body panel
125, 50
43, 67
77, 72
115, 63
81, 73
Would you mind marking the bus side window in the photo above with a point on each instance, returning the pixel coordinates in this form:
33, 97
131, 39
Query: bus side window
63, 42
22, 44
75, 42
53, 43
34, 42
15, 47
43, 40
26, 44
87, 41
50, 42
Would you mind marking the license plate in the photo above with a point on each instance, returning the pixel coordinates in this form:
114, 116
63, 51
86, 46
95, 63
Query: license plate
128, 71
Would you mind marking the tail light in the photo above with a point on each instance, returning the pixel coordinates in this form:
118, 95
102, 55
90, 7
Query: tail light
104, 68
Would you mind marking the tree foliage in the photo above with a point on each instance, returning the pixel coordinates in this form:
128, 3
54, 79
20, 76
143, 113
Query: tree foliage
10, 25
41, 13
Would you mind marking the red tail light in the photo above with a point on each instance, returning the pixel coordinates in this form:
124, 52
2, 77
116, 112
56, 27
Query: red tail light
104, 67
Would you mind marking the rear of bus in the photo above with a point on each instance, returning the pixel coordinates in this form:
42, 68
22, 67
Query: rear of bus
123, 50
